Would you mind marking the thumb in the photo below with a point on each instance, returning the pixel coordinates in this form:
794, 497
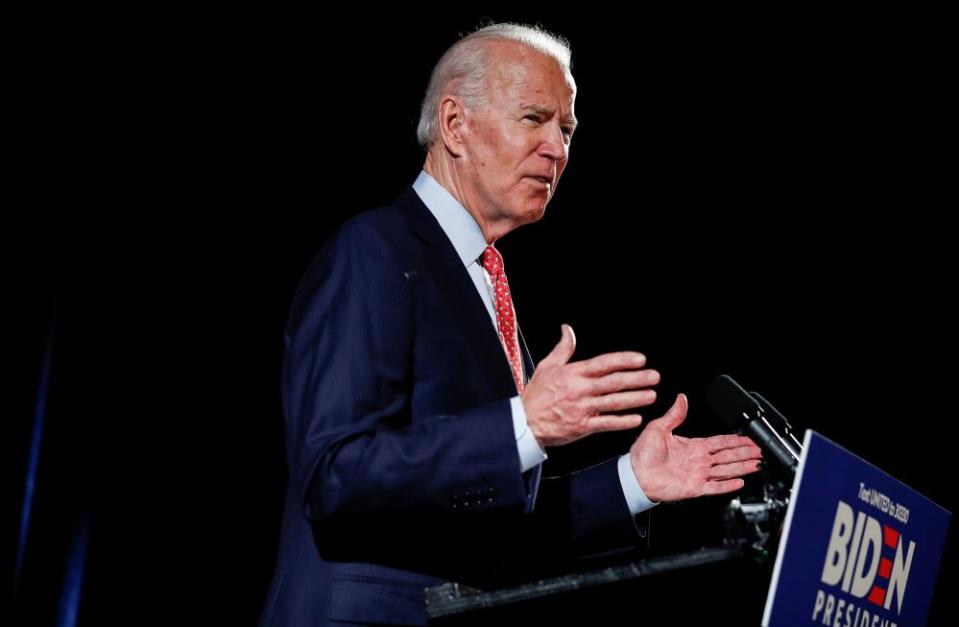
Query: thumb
676, 414
564, 350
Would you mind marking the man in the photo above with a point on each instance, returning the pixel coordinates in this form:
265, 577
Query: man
416, 425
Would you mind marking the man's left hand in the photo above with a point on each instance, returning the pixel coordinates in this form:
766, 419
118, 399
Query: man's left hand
672, 468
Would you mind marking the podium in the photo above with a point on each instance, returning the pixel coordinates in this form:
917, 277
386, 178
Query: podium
853, 546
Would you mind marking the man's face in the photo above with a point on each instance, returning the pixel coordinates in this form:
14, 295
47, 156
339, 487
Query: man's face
517, 143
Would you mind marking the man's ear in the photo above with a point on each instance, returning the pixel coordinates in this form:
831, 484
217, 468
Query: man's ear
452, 121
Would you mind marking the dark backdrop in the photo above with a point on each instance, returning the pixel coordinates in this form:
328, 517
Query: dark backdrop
760, 195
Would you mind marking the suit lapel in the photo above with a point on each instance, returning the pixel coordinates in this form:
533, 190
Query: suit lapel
459, 292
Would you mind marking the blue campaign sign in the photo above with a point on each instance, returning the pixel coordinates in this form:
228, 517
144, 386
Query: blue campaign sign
859, 548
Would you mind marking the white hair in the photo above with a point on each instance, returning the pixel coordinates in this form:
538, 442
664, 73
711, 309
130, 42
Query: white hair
462, 69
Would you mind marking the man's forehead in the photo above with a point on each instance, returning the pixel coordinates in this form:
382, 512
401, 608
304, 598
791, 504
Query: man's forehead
513, 57
526, 72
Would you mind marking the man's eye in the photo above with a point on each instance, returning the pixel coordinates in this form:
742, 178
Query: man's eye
531, 116
567, 131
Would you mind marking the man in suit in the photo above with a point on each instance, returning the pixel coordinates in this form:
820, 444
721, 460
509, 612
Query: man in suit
416, 425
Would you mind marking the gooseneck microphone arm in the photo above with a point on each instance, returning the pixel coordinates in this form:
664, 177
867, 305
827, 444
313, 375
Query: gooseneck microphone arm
744, 412
780, 425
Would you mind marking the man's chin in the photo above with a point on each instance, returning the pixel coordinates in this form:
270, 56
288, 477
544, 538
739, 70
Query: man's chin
534, 212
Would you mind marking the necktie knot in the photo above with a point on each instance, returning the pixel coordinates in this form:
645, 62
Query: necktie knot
492, 261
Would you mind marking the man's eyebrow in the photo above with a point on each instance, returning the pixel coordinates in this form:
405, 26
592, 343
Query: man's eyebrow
536, 108
541, 110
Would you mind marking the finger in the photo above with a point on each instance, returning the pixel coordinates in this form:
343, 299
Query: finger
623, 400
614, 422
722, 487
720, 442
619, 381
738, 454
610, 362
563, 351
729, 471
675, 416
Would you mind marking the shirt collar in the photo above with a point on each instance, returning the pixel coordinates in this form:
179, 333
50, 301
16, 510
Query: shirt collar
459, 226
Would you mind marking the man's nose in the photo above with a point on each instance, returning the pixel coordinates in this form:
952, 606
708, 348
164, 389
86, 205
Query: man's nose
553, 145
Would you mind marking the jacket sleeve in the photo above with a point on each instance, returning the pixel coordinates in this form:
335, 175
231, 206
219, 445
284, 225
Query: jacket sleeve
584, 515
347, 378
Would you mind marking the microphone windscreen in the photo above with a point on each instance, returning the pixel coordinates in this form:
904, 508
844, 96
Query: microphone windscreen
728, 399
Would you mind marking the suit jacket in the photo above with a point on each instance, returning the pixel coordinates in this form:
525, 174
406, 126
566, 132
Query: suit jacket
403, 466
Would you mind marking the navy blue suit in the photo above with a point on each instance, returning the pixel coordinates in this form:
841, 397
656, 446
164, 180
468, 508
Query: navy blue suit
403, 464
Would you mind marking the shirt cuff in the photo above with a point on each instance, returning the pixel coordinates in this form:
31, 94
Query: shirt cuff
530, 452
635, 497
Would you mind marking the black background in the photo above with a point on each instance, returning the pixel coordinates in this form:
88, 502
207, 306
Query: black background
757, 194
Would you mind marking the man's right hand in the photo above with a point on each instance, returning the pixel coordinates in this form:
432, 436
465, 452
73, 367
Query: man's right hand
568, 401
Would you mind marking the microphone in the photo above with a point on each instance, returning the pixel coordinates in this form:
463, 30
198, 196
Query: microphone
780, 425
746, 413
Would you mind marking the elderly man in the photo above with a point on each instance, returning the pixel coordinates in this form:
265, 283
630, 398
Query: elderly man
416, 425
